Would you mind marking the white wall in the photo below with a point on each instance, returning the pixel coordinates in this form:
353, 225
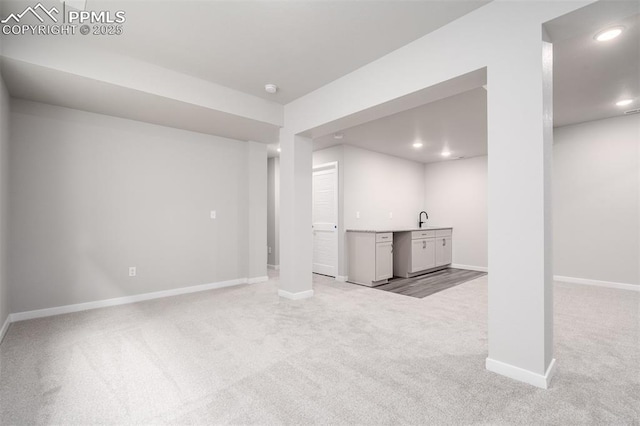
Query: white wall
273, 211
375, 185
596, 181
92, 195
596, 207
255, 211
4, 174
378, 184
456, 195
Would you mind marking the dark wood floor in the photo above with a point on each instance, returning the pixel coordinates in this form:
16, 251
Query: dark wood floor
425, 285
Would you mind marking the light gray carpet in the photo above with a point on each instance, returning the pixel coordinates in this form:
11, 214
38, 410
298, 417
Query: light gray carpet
350, 355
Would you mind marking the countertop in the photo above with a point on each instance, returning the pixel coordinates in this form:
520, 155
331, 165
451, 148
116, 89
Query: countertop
426, 228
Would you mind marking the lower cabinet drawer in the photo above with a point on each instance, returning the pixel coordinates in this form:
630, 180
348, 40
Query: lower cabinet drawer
443, 233
422, 234
384, 237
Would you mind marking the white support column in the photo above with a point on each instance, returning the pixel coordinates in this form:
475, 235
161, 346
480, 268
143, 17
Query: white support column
257, 212
296, 241
520, 233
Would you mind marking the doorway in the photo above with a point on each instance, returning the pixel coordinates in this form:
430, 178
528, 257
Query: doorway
325, 219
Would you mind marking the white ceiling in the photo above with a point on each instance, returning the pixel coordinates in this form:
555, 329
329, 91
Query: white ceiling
34, 83
590, 76
298, 45
302, 45
457, 123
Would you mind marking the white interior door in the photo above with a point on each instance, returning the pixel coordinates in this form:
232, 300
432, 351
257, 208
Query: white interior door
325, 219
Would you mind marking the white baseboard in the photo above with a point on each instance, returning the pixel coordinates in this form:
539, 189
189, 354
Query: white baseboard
295, 296
598, 283
560, 278
341, 278
273, 267
41, 313
5, 328
470, 267
522, 375
256, 280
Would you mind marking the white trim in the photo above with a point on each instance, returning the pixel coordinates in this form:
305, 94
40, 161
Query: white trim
41, 313
341, 278
598, 283
560, 278
522, 375
256, 280
273, 267
470, 267
295, 296
5, 327
328, 167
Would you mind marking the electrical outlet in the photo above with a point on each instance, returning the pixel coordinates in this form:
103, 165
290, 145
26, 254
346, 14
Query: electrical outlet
213, 214
269, 250
390, 215
357, 215
133, 271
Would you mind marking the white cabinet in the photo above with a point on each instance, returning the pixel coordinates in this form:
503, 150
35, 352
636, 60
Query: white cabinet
375, 257
422, 254
443, 247
370, 257
417, 252
384, 261
443, 251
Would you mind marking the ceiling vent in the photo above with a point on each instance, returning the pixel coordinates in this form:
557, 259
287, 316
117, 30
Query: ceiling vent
633, 111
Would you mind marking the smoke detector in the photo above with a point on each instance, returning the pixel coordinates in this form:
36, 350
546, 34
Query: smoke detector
270, 88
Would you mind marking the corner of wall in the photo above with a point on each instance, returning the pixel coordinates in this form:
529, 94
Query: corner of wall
5, 304
257, 209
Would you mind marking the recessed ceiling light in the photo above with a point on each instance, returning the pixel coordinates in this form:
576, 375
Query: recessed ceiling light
445, 153
278, 149
338, 136
270, 88
624, 102
417, 145
609, 34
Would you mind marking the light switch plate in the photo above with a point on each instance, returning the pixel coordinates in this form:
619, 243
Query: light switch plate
213, 214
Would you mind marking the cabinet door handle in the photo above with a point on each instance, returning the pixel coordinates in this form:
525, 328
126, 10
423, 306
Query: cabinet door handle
444, 242
424, 244
391, 248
